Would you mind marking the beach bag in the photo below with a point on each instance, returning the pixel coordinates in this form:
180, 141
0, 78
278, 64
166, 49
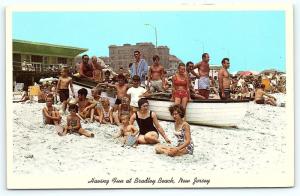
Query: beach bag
131, 140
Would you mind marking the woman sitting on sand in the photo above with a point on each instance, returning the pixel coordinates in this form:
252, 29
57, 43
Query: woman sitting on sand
180, 87
148, 124
182, 132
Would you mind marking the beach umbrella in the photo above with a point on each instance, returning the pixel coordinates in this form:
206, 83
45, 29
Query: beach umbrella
246, 73
268, 71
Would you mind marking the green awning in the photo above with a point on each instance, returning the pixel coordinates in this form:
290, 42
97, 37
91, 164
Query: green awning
45, 49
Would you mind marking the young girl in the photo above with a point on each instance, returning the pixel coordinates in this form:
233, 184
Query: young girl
73, 123
96, 105
129, 132
106, 113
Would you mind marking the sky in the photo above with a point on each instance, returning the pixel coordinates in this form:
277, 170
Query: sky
253, 40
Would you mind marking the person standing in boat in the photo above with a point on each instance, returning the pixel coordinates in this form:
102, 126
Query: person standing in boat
148, 124
156, 76
181, 87
139, 67
203, 75
224, 80
182, 132
85, 69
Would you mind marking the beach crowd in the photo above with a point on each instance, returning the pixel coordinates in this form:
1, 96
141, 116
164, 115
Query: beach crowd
139, 125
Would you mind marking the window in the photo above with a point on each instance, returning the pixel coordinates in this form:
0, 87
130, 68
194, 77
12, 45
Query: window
61, 60
36, 58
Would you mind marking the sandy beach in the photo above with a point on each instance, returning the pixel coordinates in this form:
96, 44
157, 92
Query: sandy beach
258, 144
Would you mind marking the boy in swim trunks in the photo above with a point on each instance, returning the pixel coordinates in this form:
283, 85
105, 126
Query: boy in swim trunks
62, 89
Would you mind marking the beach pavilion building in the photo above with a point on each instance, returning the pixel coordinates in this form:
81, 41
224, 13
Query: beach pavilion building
33, 60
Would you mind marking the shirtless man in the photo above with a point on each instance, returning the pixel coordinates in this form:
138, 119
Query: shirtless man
259, 96
85, 69
62, 88
224, 80
97, 69
156, 76
121, 88
203, 73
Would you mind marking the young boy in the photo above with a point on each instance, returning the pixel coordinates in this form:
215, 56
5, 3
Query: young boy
84, 104
121, 88
51, 115
135, 92
129, 132
122, 109
73, 123
62, 89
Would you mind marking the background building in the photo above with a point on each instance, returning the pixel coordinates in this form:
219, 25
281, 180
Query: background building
122, 56
33, 60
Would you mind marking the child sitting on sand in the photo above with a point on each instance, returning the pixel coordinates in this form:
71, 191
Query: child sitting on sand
128, 132
51, 114
73, 123
96, 106
106, 113
122, 109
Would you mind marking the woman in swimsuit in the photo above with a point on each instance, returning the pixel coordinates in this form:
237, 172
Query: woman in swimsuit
149, 126
182, 133
180, 87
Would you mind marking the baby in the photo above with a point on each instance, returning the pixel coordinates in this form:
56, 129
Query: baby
129, 132
73, 123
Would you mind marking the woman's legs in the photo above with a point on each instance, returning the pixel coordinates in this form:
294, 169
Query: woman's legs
184, 102
177, 100
151, 137
161, 149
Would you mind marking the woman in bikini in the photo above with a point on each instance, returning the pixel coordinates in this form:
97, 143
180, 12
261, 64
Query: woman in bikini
149, 126
180, 87
182, 133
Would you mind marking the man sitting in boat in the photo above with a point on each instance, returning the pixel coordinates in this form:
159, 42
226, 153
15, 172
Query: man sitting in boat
156, 76
224, 80
85, 69
259, 96
180, 87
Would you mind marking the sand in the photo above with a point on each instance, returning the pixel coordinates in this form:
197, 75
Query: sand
258, 144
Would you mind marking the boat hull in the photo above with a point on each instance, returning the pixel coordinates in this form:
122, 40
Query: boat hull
210, 113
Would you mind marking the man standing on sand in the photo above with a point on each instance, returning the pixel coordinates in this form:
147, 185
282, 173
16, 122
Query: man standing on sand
203, 76
139, 67
85, 69
224, 80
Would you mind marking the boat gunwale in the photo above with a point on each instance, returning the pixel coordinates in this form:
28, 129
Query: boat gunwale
203, 100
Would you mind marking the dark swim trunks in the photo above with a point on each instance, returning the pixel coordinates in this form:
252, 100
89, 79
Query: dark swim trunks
261, 101
226, 92
63, 94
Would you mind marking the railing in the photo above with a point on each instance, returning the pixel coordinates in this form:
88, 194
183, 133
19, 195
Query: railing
36, 67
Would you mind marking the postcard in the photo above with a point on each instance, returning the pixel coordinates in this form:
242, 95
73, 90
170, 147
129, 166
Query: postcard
150, 96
